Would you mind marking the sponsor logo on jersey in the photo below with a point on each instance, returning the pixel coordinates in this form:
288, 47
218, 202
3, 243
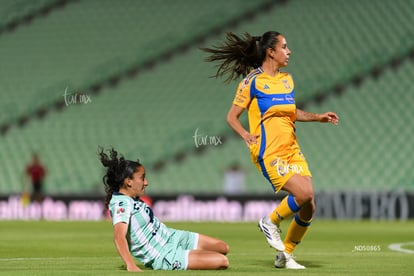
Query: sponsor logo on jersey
289, 98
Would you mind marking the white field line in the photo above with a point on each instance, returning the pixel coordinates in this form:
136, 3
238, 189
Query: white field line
398, 247
393, 247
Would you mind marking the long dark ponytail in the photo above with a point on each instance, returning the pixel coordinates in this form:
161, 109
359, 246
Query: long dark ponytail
239, 55
117, 170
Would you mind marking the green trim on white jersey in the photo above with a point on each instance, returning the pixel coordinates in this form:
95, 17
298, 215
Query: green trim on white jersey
147, 235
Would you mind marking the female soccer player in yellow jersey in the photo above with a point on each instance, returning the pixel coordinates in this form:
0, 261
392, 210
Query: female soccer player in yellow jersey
268, 96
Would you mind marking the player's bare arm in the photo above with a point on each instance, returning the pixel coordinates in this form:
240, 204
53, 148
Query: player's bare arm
234, 122
327, 117
120, 231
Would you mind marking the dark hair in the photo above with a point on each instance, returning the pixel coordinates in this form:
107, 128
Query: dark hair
239, 55
117, 170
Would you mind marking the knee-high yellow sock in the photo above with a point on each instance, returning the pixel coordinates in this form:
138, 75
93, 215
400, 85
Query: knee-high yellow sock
296, 232
285, 209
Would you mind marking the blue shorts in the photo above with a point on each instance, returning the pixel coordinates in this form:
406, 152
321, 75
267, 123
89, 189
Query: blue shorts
177, 249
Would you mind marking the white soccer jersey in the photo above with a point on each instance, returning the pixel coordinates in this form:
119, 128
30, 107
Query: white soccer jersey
147, 235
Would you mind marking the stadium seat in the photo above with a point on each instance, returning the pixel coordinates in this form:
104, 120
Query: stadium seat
155, 115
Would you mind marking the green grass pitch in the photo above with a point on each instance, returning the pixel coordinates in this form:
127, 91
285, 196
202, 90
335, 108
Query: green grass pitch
330, 248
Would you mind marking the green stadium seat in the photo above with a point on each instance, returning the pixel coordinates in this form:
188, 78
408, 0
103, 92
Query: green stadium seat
155, 115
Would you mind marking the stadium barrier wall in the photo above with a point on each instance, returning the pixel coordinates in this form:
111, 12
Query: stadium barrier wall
395, 205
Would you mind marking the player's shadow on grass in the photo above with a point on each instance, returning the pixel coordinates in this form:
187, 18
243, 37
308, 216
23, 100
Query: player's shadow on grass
307, 264
312, 264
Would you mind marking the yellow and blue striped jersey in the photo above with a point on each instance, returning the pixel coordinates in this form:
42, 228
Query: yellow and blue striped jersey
270, 103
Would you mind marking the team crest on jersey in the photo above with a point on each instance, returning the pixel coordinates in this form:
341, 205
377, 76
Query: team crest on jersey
281, 166
176, 265
120, 211
286, 84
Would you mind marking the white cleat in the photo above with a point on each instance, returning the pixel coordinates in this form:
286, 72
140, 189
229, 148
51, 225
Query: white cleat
285, 260
272, 234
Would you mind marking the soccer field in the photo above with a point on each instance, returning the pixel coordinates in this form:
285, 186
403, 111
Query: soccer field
330, 248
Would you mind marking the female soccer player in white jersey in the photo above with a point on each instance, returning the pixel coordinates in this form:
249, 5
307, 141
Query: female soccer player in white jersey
139, 233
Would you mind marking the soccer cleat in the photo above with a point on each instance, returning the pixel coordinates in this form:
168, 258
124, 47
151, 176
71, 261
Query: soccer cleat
285, 260
272, 234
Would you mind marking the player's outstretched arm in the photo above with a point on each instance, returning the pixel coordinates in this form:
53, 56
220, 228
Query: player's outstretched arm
327, 117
